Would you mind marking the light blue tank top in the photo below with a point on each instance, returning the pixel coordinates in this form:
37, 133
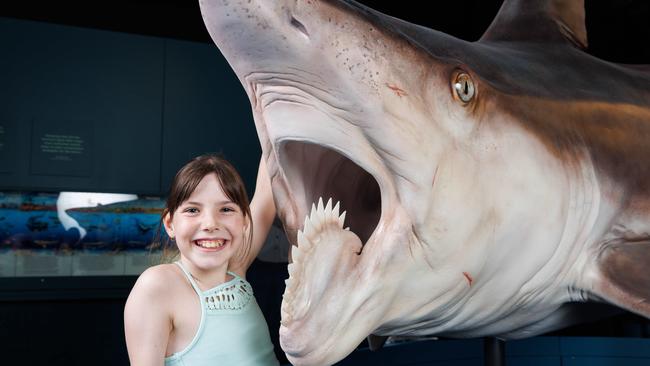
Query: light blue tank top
232, 329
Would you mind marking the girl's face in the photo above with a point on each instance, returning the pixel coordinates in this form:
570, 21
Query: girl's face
208, 227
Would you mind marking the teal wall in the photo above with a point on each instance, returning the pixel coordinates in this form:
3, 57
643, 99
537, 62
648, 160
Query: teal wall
205, 109
142, 105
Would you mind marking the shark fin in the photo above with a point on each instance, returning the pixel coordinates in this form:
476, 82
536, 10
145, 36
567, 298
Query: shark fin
540, 20
376, 342
625, 278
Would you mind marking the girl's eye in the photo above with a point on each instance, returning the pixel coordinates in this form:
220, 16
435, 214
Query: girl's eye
228, 209
191, 210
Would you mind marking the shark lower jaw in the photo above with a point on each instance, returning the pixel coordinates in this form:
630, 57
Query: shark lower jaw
317, 308
332, 251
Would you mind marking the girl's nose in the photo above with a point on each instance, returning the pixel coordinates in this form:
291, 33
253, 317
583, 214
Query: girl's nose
210, 223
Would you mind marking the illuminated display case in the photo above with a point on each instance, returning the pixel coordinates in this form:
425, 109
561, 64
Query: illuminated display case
45, 237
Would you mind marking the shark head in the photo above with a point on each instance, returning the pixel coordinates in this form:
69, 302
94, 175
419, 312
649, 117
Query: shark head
320, 82
402, 171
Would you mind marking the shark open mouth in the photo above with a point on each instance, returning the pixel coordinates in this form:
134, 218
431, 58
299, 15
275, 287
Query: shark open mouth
325, 248
314, 171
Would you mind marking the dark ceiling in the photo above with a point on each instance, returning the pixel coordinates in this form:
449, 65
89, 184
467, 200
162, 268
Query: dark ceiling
618, 30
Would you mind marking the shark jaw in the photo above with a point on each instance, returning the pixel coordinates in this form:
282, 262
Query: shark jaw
347, 253
327, 250
337, 246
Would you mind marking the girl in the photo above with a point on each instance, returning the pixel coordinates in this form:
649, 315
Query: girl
200, 310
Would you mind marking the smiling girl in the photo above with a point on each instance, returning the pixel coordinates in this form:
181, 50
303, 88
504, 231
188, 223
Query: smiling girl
200, 310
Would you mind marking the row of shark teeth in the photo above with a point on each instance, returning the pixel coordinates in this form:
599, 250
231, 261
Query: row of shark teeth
320, 218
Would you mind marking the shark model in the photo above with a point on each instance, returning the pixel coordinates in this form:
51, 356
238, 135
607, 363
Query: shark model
486, 184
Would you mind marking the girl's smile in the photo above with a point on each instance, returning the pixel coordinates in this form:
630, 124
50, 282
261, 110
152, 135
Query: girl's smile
211, 244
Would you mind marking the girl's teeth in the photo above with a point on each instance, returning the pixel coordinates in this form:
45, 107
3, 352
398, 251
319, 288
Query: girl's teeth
210, 243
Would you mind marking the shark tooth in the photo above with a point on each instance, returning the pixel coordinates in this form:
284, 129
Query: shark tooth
308, 228
295, 253
301, 240
284, 310
328, 208
342, 219
290, 286
335, 210
287, 296
315, 217
304, 243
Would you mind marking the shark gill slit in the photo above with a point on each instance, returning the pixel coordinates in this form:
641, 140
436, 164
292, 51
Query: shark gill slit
321, 172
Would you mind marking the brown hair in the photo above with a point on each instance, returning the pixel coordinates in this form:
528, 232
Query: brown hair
185, 182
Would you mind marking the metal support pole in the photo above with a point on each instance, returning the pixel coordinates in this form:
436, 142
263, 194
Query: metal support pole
494, 352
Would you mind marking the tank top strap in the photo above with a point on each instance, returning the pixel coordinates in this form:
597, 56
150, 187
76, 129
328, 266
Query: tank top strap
190, 278
234, 275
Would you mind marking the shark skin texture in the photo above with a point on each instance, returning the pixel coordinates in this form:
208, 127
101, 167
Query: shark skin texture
477, 188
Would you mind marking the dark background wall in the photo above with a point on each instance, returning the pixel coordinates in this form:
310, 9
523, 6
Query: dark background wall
150, 90
143, 106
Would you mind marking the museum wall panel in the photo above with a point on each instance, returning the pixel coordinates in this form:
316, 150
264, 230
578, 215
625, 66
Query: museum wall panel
81, 109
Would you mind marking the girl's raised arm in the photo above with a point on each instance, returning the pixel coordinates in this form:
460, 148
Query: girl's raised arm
262, 212
147, 321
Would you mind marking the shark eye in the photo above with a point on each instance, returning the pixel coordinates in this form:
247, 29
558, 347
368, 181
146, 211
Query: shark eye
463, 87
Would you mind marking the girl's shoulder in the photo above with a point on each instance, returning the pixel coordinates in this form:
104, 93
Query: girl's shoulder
160, 280
148, 296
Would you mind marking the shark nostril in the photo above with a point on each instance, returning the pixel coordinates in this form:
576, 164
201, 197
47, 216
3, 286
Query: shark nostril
299, 26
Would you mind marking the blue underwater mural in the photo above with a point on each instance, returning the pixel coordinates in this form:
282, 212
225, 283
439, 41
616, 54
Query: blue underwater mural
45, 221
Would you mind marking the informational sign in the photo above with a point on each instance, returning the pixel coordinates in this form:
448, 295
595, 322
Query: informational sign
62, 148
